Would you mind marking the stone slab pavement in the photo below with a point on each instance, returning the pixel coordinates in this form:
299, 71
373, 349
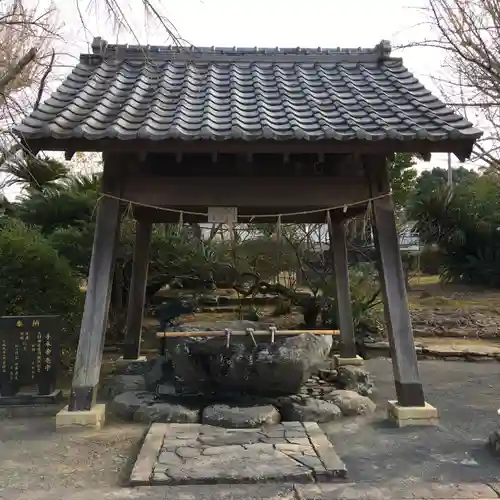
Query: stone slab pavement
181, 454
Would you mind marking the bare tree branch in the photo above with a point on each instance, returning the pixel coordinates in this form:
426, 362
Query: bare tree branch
26, 60
43, 81
15, 70
468, 34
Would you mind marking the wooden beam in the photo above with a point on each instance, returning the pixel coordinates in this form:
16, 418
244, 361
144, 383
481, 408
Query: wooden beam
461, 147
95, 314
409, 389
137, 292
248, 192
246, 163
337, 235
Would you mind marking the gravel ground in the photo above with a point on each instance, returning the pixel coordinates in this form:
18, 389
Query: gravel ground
467, 397
36, 459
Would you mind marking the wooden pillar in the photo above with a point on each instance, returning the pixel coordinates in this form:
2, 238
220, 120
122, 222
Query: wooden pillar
337, 233
95, 314
137, 292
409, 389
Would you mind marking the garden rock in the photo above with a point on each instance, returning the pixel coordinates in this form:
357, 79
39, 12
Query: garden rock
132, 367
160, 371
202, 364
356, 379
310, 410
166, 389
328, 375
494, 442
351, 403
240, 417
166, 413
123, 383
126, 404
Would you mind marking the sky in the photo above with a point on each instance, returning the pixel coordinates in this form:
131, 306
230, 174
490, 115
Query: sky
262, 23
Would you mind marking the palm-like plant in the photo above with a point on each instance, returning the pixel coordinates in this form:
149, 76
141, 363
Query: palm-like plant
57, 208
435, 215
465, 226
83, 183
34, 174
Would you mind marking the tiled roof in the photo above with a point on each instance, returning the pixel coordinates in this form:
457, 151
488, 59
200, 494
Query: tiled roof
156, 93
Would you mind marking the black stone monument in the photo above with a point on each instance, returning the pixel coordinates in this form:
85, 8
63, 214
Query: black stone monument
29, 359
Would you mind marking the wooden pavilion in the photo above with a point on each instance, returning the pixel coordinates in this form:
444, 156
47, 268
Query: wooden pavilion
269, 131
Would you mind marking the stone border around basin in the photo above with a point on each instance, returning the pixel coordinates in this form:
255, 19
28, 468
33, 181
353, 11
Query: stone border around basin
184, 454
143, 393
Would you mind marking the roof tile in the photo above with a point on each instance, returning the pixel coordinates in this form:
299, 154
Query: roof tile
156, 93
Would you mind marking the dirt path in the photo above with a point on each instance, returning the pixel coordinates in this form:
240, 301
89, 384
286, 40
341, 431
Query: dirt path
34, 456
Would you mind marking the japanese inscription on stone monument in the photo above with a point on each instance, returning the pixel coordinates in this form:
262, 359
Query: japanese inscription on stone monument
30, 353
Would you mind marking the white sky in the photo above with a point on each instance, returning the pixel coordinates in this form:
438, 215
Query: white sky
263, 23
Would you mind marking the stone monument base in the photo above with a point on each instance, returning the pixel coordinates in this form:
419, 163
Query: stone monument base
29, 405
31, 399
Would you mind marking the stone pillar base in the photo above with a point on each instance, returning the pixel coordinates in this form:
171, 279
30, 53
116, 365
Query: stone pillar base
140, 359
130, 366
92, 419
403, 416
357, 361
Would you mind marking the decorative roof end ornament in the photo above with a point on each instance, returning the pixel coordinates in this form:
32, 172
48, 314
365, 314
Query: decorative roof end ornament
384, 49
99, 46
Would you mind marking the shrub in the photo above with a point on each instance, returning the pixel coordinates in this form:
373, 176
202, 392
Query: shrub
75, 245
409, 261
464, 223
34, 279
430, 260
253, 314
283, 306
365, 301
